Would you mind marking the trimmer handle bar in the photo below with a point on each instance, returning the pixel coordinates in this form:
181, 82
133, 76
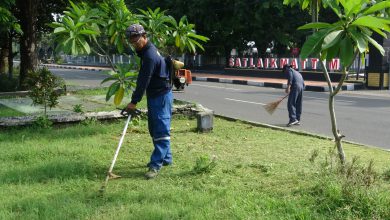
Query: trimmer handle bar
133, 113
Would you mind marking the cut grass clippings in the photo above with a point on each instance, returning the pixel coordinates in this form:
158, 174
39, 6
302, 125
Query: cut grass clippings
258, 173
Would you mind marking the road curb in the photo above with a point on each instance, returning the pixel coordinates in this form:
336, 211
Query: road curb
74, 67
350, 87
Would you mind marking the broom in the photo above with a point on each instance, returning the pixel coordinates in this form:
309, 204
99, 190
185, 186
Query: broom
271, 107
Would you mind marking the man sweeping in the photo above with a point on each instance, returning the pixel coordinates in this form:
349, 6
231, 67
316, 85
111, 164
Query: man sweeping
153, 78
295, 87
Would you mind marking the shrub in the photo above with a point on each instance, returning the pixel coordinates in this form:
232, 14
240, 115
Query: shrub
43, 121
78, 108
204, 164
43, 85
348, 191
386, 175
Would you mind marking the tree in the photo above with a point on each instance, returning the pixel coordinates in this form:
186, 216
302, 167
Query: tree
170, 36
43, 86
33, 16
83, 28
232, 23
346, 38
312, 5
8, 27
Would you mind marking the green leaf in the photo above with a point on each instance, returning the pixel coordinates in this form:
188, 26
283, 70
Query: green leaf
74, 47
315, 25
332, 52
120, 47
112, 90
313, 42
108, 79
348, 5
377, 7
355, 7
376, 45
59, 30
131, 74
334, 6
177, 41
89, 32
331, 39
346, 52
371, 22
305, 4
199, 37
85, 45
377, 30
119, 96
192, 47
358, 37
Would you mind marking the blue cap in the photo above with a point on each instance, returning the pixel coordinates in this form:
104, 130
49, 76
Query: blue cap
135, 29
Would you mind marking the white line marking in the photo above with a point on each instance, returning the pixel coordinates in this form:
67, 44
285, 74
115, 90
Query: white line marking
326, 99
216, 87
237, 100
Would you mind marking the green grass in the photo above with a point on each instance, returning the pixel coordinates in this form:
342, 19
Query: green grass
259, 174
8, 112
96, 91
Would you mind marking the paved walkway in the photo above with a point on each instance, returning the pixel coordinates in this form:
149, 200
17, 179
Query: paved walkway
243, 80
65, 104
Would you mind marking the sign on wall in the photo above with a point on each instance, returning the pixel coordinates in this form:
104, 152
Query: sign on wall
278, 63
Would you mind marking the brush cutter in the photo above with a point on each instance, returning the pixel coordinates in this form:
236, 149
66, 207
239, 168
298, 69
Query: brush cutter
110, 175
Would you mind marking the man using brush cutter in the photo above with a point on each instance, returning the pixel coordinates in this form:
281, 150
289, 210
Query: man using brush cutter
295, 87
154, 79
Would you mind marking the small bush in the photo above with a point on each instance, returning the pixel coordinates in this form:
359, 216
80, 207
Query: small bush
348, 190
205, 164
43, 121
43, 85
89, 121
386, 175
314, 155
78, 108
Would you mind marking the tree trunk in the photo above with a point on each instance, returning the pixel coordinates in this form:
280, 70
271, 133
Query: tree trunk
314, 10
332, 94
335, 130
28, 55
4, 53
10, 58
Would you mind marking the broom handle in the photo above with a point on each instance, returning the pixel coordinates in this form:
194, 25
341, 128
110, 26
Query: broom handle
285, 96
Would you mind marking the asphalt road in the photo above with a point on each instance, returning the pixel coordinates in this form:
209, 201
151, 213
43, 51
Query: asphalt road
363, 117
81, 78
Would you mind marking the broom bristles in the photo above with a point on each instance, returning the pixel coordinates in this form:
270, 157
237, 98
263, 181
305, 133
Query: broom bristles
272, 106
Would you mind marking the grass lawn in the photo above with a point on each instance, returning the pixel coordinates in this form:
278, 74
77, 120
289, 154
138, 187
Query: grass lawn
8, 112
259, 174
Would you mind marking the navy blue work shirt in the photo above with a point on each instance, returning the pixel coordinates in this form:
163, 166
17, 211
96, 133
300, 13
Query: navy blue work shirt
153, 74
295, 79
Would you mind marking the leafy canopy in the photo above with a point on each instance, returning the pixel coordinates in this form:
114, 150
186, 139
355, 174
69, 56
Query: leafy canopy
358, 20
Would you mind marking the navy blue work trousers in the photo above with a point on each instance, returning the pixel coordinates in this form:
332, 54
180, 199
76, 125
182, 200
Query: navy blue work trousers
159, 123
294, 103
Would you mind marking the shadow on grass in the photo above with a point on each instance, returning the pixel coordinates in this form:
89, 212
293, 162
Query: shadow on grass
185, 131
134, 172
54, 170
